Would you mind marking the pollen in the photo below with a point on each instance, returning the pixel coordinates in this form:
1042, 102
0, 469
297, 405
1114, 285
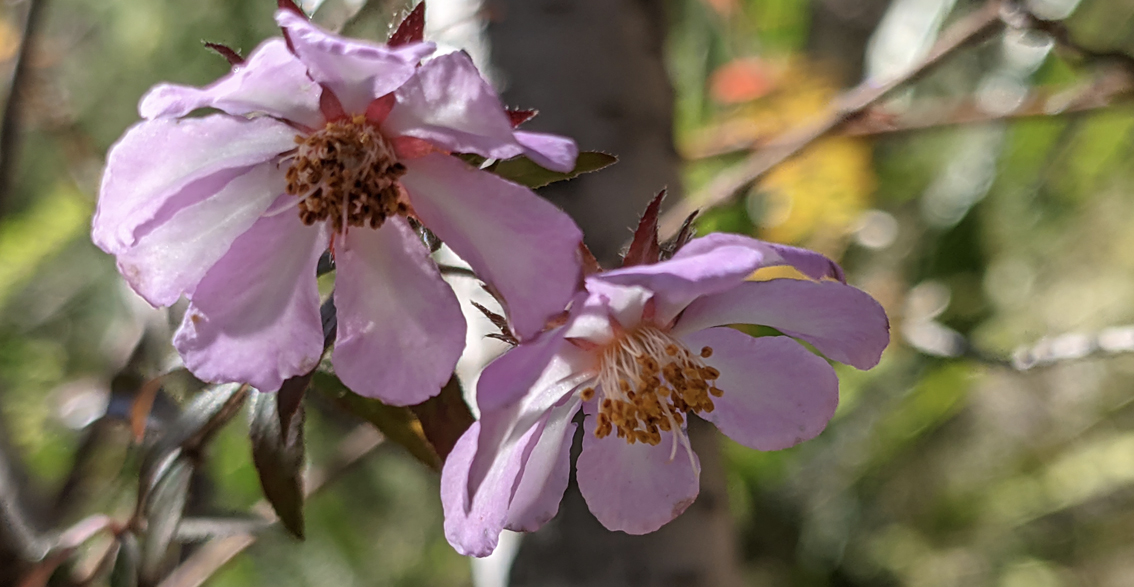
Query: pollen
346, 173
649, 383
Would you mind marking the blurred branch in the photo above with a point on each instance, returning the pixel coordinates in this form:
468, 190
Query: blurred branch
205, 561
935, 339
9, 125
971, 28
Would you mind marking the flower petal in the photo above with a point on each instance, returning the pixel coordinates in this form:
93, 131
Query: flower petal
449, 104
171, 258
254, 318
678, 281
400, 329
544, 374
812, 264
525, 482
356, 71
160, 166
518, 243
634, 488
776, 393
271, 81
549, 151
473, 526
842, 322
546, 471
536, 366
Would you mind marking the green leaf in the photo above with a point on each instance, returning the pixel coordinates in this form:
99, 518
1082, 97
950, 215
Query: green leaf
279, 456
444, 417
163, 511
526, 172
125, 572
398, 424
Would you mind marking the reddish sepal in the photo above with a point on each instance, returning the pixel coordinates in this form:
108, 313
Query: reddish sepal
412, 28
645, 249
292, 6
227, 52
379, 109
330, 106
518, 117
411, 147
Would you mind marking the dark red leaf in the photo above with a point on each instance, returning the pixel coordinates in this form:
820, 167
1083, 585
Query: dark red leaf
683, 236
227, 52
645, 249
412, 28
445, 417
519, 117
330, 106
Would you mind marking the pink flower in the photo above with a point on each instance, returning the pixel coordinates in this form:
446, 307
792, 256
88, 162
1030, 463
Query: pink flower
326, 141
643, 347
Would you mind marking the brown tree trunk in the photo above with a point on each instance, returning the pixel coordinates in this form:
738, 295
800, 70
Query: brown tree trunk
594, 68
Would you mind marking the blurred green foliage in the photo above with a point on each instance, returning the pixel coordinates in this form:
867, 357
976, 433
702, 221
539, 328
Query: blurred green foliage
935, 471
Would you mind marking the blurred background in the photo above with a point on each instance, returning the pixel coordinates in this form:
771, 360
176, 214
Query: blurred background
987, 202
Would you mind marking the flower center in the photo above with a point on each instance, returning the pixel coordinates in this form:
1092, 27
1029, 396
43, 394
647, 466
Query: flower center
346, 172
649, 381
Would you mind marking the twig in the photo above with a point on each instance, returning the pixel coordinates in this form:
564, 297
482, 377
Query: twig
197, 569
1109, 89
971, 28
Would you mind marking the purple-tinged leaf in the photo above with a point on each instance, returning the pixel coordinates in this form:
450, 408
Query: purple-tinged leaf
645, 249
278, 454
526, 172
227, 52
411, 29
444, 417
518, 116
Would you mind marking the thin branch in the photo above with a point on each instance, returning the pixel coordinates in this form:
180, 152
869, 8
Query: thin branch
973, 27
205, 561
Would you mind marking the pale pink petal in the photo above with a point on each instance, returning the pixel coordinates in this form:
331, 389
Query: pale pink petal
271, 81
842, 322
400, 327
776, 393
473, 526
518, 243
522, 489
549, 151
546, 471
624, 305
544, 387
535, 366
355, 70
171, 258
810, 263
635, 488
449, 104
160, 166
678, 281
254, 318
